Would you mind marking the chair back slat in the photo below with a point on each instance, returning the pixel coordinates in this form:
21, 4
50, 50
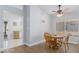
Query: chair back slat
47, 36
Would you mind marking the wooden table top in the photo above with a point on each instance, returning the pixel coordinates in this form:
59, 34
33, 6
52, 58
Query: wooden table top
58, 36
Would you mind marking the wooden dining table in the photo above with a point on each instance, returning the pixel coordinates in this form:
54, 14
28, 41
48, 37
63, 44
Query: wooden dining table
56, 37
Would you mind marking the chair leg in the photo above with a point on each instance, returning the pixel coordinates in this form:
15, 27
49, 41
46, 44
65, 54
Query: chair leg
66, 47
47, 45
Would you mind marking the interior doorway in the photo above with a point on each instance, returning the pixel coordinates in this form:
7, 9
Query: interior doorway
13, 29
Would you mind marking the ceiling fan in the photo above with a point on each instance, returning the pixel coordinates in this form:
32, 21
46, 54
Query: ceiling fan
60, 12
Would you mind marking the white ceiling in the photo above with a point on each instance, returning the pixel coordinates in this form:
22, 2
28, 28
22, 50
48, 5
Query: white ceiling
49, 8
18, 6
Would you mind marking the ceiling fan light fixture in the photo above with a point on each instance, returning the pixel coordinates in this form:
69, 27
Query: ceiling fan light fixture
59, 15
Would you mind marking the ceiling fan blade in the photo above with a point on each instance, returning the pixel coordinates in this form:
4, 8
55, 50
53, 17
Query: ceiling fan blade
67, 13
65, 10
54, 11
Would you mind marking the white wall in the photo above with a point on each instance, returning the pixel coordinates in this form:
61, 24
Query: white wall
37, 27
1, 30
53, 24
36, 22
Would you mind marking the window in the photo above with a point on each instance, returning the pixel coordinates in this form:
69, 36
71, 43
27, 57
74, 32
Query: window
71, 26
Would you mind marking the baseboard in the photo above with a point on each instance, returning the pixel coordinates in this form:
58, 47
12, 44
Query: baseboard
35, 43
27, 44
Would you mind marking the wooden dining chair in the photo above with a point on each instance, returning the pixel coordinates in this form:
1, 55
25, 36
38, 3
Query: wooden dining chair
65, 42
59, 40
48, 40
